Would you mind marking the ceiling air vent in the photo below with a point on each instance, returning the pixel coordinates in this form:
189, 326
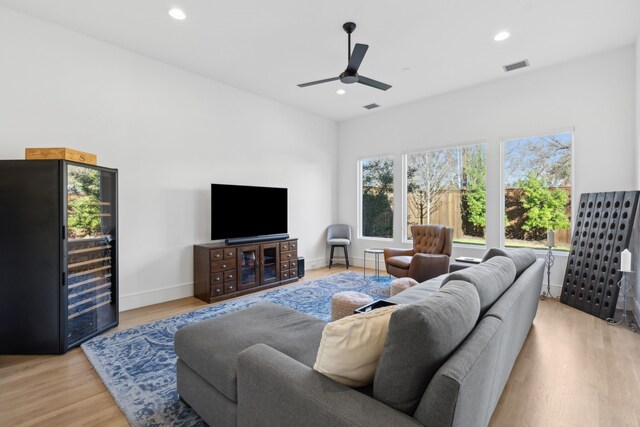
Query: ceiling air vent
371, 106
516, 65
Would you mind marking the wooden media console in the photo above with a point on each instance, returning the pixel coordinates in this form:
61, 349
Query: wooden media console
224, 271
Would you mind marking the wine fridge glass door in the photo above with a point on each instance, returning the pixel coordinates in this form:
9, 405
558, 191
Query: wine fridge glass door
91, 234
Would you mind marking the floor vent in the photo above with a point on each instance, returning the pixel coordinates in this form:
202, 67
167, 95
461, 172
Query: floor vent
516, 65
371, 106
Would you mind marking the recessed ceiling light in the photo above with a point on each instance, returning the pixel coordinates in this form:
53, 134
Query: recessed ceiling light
502, 35
341, 91
178, 14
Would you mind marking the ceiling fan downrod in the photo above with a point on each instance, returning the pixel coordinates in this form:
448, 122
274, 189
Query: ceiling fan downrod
349, 27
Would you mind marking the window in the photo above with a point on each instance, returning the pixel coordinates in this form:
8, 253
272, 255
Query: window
537, 190
376, 187
448, 187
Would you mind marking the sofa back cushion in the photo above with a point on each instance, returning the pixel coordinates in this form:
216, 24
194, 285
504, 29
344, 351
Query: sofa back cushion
522, 258
460, 393
516, 309
491, 279
421, 337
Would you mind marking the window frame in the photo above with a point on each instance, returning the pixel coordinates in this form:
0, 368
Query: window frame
359, 207
503, 140
405, 193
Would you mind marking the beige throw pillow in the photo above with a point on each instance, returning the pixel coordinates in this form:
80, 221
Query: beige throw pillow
350, 347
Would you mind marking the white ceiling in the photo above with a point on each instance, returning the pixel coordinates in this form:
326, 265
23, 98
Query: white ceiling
420, 47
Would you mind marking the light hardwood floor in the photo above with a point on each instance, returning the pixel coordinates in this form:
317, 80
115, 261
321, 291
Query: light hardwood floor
574, 370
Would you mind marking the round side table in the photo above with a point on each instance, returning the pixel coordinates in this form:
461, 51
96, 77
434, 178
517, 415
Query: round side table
376, 253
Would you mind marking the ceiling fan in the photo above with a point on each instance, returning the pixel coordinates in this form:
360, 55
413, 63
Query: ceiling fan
350, 75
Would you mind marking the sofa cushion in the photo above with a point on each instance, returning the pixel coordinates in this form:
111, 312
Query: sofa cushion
421, 337
491, 279
522, 258
211, 347
350, 347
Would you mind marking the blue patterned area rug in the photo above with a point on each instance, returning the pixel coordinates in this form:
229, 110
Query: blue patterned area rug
137, 365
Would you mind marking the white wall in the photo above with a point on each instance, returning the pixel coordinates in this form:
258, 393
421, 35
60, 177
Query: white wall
595, 96
171, 134
636, 249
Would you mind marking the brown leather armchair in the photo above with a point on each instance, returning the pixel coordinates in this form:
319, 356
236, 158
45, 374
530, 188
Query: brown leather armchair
429, 257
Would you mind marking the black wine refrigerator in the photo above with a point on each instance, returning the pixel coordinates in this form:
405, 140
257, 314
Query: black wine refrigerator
58, 254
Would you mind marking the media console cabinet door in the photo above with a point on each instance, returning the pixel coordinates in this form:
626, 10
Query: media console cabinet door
270, 268
248, 266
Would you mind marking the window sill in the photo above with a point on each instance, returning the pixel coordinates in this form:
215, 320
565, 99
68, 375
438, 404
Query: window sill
380, 239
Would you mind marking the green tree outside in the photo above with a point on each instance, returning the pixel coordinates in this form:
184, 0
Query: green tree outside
545, 208
474, 196
83, 202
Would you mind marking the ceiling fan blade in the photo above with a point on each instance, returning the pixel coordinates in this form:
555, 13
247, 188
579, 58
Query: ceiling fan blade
373, 83
317, 82
356, 57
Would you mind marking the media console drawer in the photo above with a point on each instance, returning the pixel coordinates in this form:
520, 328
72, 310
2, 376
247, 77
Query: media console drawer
216, 254
216, 290
289, 256
216, 278
217, 266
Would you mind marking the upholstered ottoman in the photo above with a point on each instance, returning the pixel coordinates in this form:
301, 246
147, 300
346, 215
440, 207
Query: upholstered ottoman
208, 352
344, 303
401, 284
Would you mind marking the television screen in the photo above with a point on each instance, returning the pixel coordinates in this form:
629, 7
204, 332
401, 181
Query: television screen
246, 211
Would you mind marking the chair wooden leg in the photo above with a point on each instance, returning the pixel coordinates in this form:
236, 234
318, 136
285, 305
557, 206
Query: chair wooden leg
331, 257
346, 255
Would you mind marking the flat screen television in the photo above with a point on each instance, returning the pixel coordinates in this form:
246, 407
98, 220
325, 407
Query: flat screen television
247, 211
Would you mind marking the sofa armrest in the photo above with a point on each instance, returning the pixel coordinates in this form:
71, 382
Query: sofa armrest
389, 252
276, 390
426, 266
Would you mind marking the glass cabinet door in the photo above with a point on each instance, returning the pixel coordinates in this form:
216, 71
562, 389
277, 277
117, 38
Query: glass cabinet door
90, 254
248, 262
270, 262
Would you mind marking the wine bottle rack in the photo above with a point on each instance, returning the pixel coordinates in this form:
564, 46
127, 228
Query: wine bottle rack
89, 280
602, 230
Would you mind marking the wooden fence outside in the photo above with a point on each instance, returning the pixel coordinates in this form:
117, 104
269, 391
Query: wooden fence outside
449, 212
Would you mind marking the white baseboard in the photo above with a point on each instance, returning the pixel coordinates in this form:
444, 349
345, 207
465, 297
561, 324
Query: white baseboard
169, 293
556, 290
310, 264
359, 262
155, 296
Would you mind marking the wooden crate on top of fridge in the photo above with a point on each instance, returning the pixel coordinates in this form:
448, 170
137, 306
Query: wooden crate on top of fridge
60, 154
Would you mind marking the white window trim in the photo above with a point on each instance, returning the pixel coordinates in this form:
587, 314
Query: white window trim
507, 138
359, 198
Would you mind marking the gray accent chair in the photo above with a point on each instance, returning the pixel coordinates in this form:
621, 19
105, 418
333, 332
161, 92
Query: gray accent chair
339, 235
447, 357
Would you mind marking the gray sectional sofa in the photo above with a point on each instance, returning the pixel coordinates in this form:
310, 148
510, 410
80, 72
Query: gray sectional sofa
447, 357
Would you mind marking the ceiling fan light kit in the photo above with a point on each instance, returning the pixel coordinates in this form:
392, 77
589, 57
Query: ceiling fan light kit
350, 74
